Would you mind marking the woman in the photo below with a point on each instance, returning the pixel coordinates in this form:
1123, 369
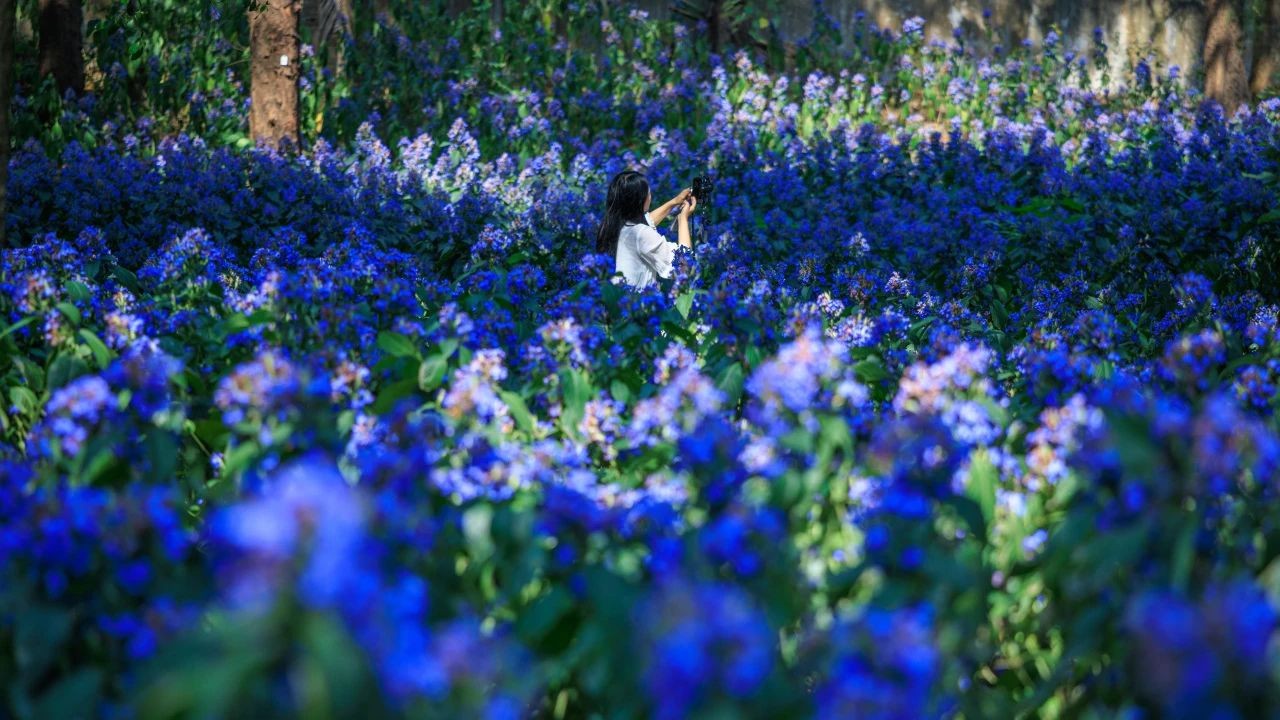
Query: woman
629, 231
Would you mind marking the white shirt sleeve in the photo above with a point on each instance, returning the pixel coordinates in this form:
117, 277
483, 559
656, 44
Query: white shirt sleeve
655, 251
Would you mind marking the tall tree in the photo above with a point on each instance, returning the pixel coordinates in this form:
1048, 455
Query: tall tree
8, 18
1266, 51
1225, 79
382, 13
328, 22
273, 77
61, 28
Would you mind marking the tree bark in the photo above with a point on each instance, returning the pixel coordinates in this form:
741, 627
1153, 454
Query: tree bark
98, 10
274, 44
61, 28
715, 26
1225, 79
382, 12
8, 19
338, 45
1266, 51
328, 22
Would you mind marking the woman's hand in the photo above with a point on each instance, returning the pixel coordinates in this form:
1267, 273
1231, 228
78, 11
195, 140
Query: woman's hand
682, 223
657, 216
690, 205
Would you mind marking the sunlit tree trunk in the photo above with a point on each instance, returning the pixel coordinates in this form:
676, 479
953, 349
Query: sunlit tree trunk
1225, 79
1266, 52
8, 17
62, 43
274, 43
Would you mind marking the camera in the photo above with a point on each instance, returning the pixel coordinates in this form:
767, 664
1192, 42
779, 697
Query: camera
703, 187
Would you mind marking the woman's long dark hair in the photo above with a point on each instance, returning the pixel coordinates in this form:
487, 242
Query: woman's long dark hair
627, 194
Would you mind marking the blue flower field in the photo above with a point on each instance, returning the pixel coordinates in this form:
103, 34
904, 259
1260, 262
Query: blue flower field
962, 405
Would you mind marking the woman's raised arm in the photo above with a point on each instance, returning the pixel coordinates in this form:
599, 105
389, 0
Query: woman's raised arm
657, 216
682, 227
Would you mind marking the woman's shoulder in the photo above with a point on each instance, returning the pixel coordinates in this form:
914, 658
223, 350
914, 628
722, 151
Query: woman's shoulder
640, 229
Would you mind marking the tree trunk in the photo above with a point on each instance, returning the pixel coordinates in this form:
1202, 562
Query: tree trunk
715, 26
1266, 51
1225, 79
62, 43
98, 10
382, 13
8, 18
273, 79
339, 44
328, 22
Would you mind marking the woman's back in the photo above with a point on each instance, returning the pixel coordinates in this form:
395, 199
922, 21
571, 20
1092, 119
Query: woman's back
643, 254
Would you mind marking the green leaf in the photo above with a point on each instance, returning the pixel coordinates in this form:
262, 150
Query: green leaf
731, 381
971, 514
233, 324
684, 304
870, 370
24, 399
64, 369
680, 333
982, 484
101, 353
261, 317
75, 696
99, 463
519, 410
211, 431
835, 433
38, 637
17, 326
577, 391
71, 312
476, 523
78, 290
162, 452
396, 345
394, 393
544, 614
127, 278
432, 371
999, 314
448, 347
917, 330
620, 391
238, 458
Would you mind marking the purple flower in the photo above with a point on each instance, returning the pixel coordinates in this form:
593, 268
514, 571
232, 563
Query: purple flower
306, 510
702, 641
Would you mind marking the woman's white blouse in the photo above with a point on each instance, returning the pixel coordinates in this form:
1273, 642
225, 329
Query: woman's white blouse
643, 254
